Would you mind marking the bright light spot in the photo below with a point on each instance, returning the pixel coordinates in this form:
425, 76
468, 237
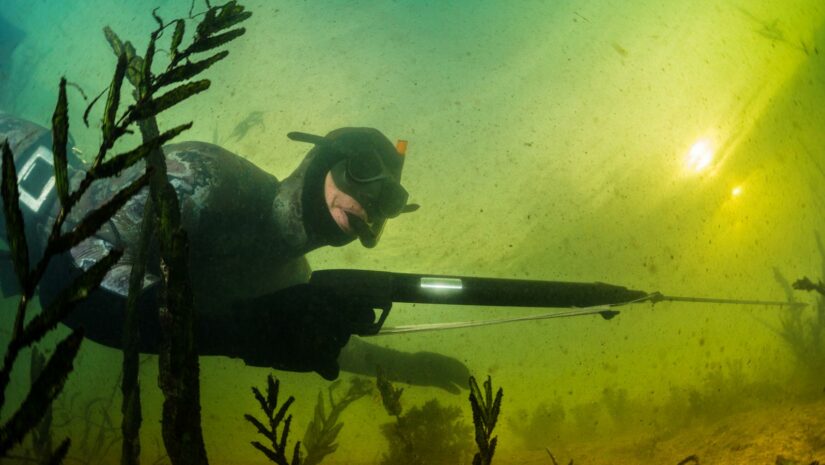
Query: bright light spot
699, 156
737, 191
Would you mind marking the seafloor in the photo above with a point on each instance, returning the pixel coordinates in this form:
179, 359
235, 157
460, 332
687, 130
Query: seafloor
783, 435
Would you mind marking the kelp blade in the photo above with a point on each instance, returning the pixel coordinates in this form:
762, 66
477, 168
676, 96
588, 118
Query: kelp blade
60, 138
43, 391
94, 220
57, 310
113, 100
188, 70
15, 228
148, 109
122, 161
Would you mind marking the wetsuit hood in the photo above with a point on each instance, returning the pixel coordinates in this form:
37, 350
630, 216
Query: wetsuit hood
363, 164
299, 208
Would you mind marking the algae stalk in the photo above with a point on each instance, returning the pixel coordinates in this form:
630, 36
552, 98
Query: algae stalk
485, 415
41, 435
322, 431
130, 387
275, 414
179, 369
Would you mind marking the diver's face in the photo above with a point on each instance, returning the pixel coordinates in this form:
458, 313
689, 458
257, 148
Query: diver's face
339, 204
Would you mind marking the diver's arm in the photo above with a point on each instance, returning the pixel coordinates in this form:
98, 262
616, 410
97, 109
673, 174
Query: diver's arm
298, 328
418, 368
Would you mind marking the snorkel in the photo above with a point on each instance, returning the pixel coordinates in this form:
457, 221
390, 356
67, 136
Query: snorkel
366, 166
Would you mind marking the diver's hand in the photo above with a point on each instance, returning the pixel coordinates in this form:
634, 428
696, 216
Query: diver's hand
302, 328
432, 369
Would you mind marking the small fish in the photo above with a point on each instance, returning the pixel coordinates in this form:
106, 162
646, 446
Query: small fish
253, 119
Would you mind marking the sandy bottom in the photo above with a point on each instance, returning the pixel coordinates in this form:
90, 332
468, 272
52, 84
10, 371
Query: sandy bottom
784, 435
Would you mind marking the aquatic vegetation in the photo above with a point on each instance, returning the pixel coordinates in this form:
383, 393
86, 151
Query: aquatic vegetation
319, 439
49, 383
390, 395
277, 450
616, 403
541, 425
485, 415
553, 457
803, 329
429, 434
179, 370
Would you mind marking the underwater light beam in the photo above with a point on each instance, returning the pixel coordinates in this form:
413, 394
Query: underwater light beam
700, 156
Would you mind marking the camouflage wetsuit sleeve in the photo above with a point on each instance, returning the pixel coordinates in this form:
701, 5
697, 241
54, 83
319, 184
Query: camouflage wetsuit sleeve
225, 203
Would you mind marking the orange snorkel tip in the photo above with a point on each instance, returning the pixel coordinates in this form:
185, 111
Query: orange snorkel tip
401, 147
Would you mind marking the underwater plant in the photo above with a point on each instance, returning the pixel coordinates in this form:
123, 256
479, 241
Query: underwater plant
42, 434
542, 424
430, 434
179, 373
802, 330
51, 379
485, 415
322, 431
277, 450
390, 395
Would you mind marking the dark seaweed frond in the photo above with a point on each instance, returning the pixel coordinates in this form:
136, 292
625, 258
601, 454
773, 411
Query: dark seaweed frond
209, 35
57, 456
277, 450
60, 138
42, 392
188, 70
57, 310
803, 329
431, 434
15, 229
319, 439
390, 396
179, 371
122, 161
41, 435
114, 124
485, 415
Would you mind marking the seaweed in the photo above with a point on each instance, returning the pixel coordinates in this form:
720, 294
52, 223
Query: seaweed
179, 371
51, 379
553, 457
485, 415
803, 330
537, 427
616, 404
41, 435
430, 434
49, 383
277, 450
319, 439
390, 395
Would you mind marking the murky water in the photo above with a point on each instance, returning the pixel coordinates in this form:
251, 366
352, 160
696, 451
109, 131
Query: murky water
664, 146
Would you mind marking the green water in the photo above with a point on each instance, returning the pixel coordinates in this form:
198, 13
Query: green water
548, 140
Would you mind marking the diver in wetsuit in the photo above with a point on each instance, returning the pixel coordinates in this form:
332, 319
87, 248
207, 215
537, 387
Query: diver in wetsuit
248, 235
